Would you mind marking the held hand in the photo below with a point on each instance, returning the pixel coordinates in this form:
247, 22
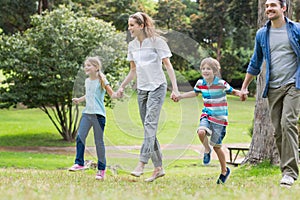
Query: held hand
76, 100
172, 96
175, 96
115, 95
120, 92
243, 94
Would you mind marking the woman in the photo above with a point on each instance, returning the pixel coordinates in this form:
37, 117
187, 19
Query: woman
146, 53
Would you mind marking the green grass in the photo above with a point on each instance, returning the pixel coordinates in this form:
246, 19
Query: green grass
28, 127
26, 160
240, 120
185, 179
178, 123
28, 175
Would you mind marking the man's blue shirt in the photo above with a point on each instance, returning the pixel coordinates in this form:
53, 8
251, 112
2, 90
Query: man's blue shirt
262, 51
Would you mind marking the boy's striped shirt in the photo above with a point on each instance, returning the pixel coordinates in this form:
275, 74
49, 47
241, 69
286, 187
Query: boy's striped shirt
215, 101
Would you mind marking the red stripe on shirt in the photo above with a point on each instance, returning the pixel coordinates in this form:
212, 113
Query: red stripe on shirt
210, 87
215, 104
217, 121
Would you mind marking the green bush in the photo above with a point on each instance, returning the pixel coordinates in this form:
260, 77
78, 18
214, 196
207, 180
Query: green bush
42, 65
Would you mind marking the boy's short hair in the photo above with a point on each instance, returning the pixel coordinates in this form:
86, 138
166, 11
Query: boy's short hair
213, 63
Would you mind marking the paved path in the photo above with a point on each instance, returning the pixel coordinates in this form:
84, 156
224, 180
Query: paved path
124, 151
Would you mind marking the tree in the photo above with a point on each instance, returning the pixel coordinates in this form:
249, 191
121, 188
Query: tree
225, 29
263, 146
42, 64
297, 10
192, 7
239, 42
243, 17
211, 25
171, 15
42, 6
15, 14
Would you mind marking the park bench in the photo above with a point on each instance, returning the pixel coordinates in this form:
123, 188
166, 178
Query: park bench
233, 160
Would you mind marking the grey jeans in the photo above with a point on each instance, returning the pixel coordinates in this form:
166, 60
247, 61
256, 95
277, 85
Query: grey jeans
150, 104
284, 103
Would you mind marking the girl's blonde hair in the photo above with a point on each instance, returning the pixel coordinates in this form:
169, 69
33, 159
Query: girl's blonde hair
213, 63
95, 61
149, 28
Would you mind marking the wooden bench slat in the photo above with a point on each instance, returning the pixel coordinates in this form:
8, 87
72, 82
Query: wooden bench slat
238, 149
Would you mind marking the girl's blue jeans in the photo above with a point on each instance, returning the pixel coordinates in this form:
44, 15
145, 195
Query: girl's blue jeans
98, 123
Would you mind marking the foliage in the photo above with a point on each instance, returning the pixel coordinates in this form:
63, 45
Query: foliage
192, 7
191, 75
41, 65
171, 15
226, 33
211, 25
217, 26
234, 63
243, 15
15, 14
116, 12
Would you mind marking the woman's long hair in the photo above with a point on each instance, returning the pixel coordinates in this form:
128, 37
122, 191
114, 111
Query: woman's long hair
149, 27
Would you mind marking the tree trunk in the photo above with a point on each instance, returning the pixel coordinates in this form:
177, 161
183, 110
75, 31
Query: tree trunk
263, 145
42, 6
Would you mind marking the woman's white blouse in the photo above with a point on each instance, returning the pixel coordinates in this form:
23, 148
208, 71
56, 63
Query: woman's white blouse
147, 57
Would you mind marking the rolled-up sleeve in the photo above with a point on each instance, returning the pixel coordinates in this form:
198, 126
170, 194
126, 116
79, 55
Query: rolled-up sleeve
254, 66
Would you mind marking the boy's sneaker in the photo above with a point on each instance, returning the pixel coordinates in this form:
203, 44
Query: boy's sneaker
206, 158
222, 179
287, 181
77, 167
100, 175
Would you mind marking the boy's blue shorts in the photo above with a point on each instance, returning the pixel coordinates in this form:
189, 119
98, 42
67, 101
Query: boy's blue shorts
216, 132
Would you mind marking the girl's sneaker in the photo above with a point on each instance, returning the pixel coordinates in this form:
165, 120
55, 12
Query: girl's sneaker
100, 175
77, 167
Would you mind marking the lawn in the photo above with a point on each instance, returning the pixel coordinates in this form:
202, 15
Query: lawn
178, 123
184, 180
42, 175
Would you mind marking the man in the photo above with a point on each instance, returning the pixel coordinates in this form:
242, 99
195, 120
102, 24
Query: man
278, 43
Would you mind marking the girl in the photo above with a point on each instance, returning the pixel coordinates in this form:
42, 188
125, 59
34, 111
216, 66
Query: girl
213, 119
92, 115
146, 53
